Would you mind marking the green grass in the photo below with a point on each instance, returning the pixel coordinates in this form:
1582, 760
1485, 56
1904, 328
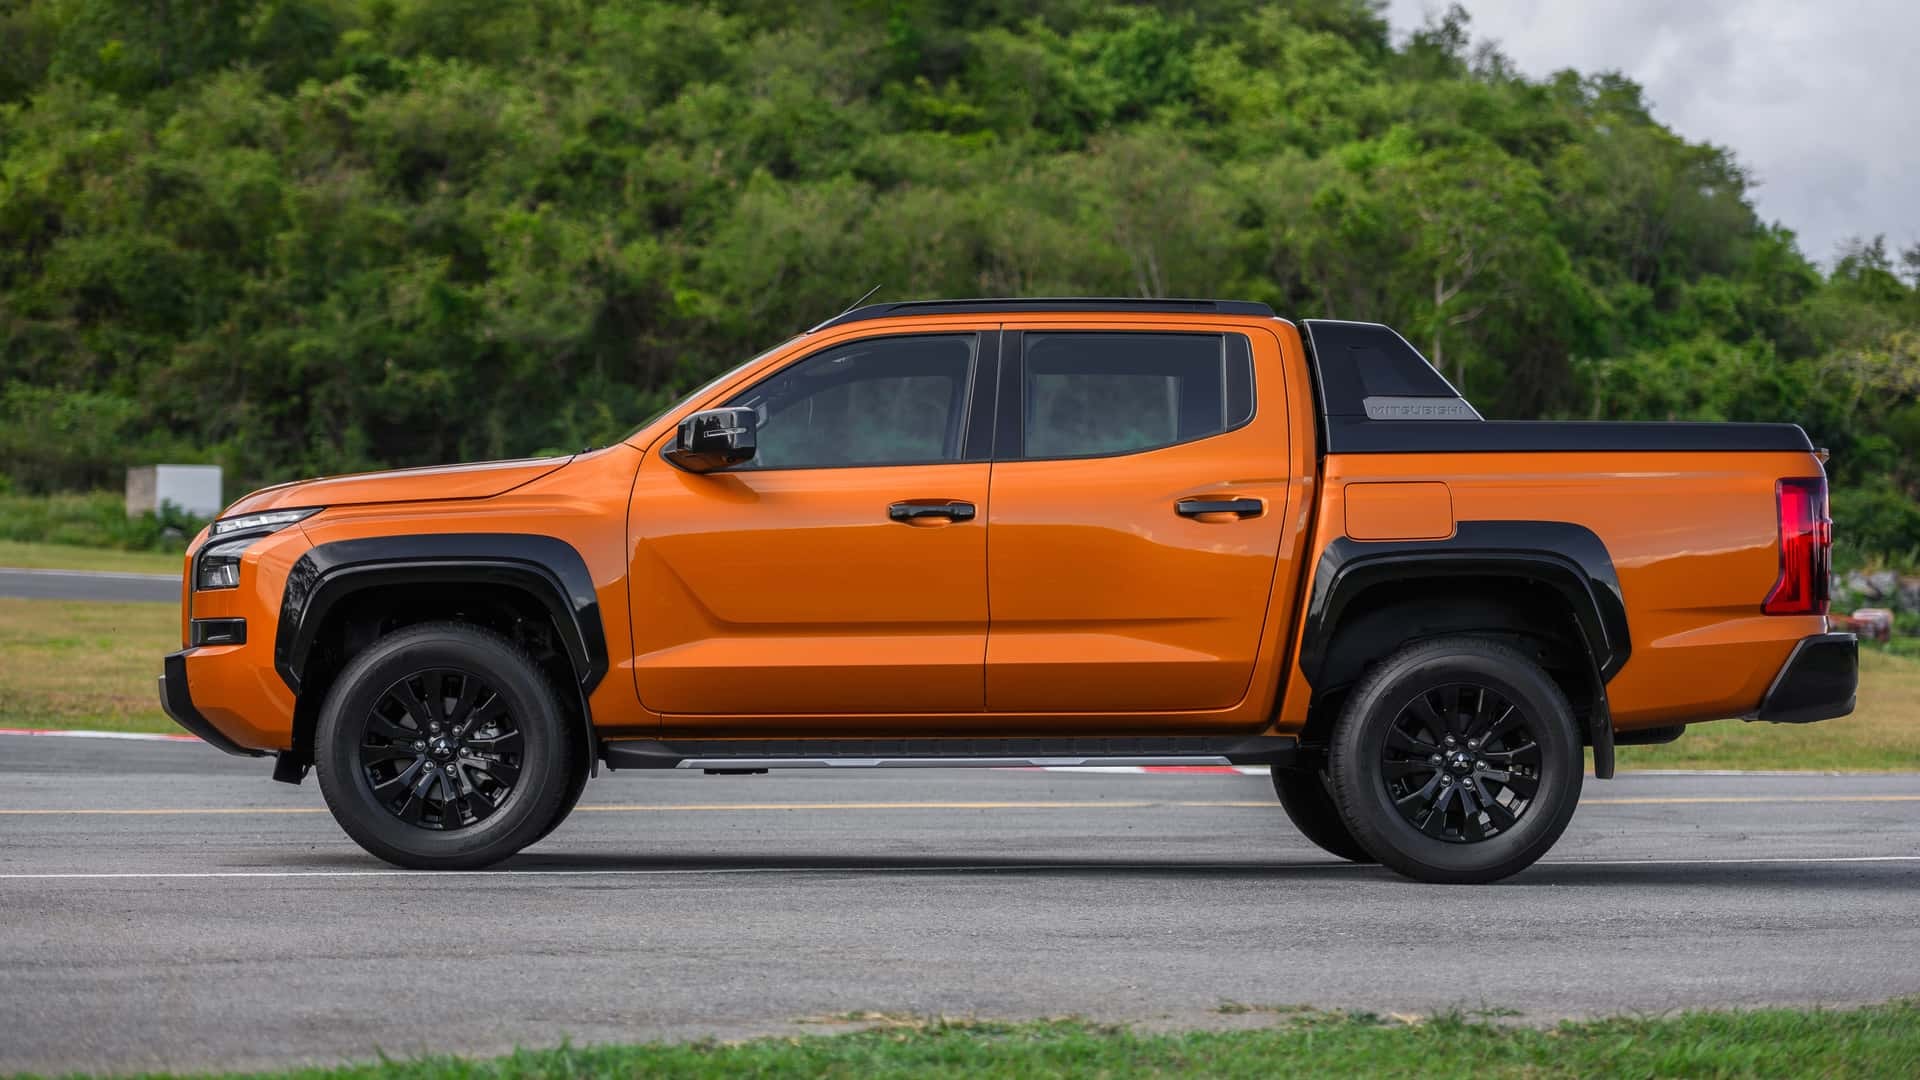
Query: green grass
1870, 1042
80, 664
33, 555
1882, 733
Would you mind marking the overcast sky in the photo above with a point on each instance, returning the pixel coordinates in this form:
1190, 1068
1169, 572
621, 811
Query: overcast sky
1818, 99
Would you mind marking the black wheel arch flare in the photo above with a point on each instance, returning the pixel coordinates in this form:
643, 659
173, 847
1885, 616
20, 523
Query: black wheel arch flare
1567, 558
546, 568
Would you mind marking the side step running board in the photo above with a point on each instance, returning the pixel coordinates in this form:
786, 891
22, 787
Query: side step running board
734, 755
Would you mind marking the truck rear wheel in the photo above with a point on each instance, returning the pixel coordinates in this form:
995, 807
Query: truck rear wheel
1456, 760
442, 747
1309, 805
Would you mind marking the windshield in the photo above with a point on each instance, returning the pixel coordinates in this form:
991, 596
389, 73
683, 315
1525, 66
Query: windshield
711, 383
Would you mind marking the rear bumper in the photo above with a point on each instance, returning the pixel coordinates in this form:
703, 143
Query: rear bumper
1817, 682
177, 699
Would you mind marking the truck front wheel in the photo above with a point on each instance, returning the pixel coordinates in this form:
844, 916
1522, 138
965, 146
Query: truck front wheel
1456, 760
442, 747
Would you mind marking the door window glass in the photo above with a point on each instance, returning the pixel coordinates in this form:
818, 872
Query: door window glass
884, 401
1093, 394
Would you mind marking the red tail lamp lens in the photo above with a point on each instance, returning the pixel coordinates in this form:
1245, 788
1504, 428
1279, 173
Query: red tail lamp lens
1806, 543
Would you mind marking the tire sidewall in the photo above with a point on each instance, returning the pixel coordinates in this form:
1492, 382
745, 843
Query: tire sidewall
528, 810
1362, 791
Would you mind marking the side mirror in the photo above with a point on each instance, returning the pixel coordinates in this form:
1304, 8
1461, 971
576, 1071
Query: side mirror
714, 439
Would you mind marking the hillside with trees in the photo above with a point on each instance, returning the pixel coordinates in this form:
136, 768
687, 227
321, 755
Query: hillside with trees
310, 236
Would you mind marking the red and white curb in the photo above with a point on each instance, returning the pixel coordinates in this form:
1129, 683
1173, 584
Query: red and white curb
142, 736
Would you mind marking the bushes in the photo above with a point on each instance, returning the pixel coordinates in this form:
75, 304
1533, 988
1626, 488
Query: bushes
98, 519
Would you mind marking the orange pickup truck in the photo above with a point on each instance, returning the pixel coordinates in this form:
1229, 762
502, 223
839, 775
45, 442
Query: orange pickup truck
1002, 532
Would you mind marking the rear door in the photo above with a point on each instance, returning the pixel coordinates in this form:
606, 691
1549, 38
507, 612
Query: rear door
1139, 491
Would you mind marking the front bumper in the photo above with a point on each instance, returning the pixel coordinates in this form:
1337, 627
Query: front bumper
1817, 682
177, 700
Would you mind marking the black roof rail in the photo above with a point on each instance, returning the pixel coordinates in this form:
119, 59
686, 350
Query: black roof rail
1092, 304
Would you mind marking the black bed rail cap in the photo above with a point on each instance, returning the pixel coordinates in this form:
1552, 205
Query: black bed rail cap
1087, 304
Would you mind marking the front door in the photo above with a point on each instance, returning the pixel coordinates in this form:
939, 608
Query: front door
1139, 491
842, 571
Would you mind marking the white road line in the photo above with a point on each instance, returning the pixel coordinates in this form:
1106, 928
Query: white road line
142, 736
956, 868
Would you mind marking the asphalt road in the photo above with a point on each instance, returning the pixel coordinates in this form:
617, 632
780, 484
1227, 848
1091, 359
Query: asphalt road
89, 585
162, 906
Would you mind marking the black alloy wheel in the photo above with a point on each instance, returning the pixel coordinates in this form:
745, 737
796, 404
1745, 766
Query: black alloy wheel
1461, 762
440, 749
444, 746
1456, 760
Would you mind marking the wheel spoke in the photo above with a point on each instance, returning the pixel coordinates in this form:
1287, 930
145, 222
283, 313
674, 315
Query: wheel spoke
1486, 706
416, 706
1503, 818
1525, 751
1413, 800
374, 755
1423, 711
1450, 698
1470, 826
415, 802
475, 802
1394, 770
390, 788
387, 729
1405, 743
507, 742
1505, 722
500, 772
1522, 785
463, 702
1436, 822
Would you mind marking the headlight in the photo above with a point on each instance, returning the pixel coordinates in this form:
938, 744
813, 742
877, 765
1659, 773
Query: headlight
218, 564
263, 523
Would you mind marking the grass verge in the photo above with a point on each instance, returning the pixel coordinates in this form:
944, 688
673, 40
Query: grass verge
82, 664
36, 556
1882, 733
1876, 1041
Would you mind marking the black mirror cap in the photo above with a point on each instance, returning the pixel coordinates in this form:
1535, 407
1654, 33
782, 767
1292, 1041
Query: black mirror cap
714, 439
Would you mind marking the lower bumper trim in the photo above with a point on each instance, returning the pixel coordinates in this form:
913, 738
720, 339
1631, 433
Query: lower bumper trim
1818, 681
177, 700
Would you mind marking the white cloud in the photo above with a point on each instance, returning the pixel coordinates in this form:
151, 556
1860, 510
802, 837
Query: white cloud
1819, 101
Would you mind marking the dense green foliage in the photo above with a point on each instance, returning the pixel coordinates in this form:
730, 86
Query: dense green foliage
297, 236
95, 520
1877, 1041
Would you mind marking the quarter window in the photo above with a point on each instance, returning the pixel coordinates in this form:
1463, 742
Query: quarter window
882, 401
1093, 394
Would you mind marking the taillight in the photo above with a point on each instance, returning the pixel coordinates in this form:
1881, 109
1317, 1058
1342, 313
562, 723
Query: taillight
1806, 543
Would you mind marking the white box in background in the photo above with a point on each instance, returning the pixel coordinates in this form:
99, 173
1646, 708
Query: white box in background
194, 489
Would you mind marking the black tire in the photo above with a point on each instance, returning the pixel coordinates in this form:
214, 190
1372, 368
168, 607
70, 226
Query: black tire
490, 780
1309, 805
576, 786
1480, 807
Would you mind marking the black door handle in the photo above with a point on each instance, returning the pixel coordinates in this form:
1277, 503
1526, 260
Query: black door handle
952, 511
1245, 508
